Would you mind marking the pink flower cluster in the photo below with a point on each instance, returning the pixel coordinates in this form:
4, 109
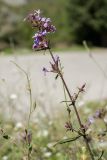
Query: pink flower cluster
44, 27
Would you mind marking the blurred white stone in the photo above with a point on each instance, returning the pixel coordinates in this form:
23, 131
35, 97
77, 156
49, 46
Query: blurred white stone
18, 125
45, 133
5, 158
13, 96
47, 154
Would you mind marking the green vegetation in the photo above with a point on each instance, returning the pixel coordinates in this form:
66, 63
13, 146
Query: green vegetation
47, 131
88, 21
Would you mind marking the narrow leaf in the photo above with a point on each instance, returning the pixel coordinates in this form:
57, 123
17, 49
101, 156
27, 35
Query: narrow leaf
67, 140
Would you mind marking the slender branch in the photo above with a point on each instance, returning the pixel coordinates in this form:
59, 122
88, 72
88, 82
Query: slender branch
30, 99
29, 89
74, 106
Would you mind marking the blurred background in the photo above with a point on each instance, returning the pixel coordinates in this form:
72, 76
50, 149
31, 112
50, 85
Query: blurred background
75, 20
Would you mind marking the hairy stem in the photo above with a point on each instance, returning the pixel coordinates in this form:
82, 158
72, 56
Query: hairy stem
65, 85
74, 106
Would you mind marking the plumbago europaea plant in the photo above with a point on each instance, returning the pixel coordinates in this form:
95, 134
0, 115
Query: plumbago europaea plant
44, 27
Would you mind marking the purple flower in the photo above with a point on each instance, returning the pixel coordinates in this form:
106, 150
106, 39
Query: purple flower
44, 26
42, 23
34, 18
97, 114
91, 120
40, 41
43, 19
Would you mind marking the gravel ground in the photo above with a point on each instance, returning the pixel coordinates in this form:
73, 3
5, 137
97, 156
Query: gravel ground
79, 68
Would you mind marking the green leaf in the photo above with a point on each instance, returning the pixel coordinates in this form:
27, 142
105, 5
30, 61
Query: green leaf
67, 140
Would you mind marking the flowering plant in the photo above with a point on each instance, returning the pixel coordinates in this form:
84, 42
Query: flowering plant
44, 27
